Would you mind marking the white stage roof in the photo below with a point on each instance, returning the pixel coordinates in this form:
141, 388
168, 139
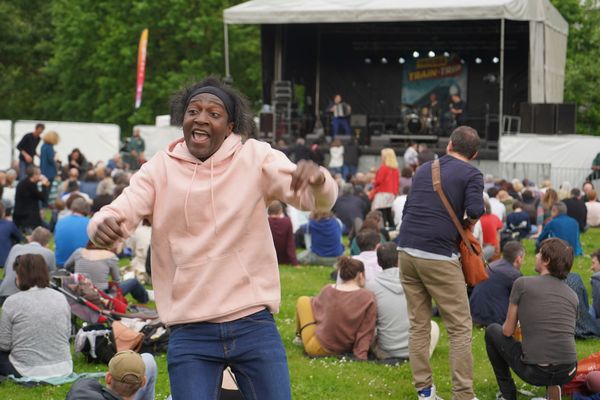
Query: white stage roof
332, 11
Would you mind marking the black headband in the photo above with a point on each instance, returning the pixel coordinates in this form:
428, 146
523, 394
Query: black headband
221, 94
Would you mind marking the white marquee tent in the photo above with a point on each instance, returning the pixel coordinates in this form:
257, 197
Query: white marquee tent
5, 144
97, 142
548, 30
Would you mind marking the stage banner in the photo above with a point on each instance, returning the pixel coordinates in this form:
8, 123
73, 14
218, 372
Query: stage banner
444, 76
141, 68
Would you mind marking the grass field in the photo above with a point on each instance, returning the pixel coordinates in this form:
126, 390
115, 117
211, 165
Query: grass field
333, 378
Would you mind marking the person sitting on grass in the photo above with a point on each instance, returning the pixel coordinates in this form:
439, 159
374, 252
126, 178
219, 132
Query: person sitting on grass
392, 315
283, 234
519, 221
38, 244
595, 281
325, 232
368, 240
586, 326
97, 264
130, 376
563, 227
35, 325
489, 299
341, 318
546, 309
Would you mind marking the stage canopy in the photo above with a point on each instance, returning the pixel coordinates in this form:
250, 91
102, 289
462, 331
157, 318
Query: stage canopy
548, 29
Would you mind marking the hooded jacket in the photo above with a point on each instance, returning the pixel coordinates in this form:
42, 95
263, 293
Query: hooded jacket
213, 257
392, 312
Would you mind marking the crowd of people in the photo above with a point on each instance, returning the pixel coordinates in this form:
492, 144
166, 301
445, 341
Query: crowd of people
207, 208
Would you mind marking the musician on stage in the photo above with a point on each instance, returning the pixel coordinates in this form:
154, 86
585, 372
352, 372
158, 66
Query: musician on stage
435, 113
341, 111
457, 108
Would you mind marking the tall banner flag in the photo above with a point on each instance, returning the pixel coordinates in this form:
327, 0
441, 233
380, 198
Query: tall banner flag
141, 68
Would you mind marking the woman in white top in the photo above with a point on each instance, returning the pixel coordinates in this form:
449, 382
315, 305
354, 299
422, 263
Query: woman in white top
593, 209
336, 160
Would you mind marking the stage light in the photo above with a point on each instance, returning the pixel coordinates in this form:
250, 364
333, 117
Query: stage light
431, 54
367, 60
462, 61
401, 60
415, 54
495, 60
478, 60
383, 60
446, 54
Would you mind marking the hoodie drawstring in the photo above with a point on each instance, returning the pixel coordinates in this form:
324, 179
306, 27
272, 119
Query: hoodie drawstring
187, 195
212, 196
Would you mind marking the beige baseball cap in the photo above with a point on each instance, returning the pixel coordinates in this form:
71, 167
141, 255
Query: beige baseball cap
127, 367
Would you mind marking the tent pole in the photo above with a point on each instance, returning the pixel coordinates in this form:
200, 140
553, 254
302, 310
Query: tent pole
278, 55
226, 49
501, 100
318, 77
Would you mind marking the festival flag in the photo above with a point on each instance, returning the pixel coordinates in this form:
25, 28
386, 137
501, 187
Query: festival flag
141, 68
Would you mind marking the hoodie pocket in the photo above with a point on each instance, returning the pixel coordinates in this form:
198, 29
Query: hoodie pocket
213, 287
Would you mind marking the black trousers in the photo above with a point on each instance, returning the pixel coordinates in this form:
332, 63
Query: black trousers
505, 354
6, 368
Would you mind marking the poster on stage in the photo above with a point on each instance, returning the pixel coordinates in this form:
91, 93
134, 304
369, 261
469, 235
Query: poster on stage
444, 76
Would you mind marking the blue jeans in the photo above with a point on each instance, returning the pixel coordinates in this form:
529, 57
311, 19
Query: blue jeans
22, 169
199, 352
340, 122
349, 170
137, 290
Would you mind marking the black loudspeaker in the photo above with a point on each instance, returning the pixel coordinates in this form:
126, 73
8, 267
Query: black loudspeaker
566, 118
544, 118
358, 120
266, 124
526, 111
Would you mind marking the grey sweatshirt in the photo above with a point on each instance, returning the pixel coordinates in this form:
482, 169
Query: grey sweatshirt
392, 313
34, 327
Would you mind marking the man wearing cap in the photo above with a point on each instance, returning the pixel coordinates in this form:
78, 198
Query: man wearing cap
130, 376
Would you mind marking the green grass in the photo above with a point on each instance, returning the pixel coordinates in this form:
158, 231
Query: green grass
333, 378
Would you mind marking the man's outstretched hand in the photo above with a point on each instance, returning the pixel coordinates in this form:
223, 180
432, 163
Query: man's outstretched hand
108, 232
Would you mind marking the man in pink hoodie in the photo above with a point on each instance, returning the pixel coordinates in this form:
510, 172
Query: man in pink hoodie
214, 266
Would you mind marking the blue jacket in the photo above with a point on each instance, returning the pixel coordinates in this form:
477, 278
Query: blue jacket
565, 228
489, 300
69, 235
9, 235
47, 164
326, 237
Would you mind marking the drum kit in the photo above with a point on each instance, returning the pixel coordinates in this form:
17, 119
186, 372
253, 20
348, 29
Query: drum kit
423, 121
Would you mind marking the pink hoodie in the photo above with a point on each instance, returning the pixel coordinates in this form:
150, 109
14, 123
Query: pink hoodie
213, 257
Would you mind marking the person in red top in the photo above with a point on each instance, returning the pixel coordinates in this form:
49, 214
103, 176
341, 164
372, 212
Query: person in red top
283, 234
386, 186
491, 226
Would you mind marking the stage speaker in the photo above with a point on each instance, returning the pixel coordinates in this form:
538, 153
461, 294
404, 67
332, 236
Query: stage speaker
358, 120
544, 118
526, 113
566, 117
376, 128
265, 122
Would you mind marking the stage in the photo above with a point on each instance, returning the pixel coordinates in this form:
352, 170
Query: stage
388, 58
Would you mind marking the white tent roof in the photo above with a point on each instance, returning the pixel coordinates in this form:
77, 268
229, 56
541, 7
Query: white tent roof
331, 11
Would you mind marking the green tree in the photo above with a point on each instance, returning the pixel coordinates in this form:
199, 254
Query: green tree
583, 68
76, 60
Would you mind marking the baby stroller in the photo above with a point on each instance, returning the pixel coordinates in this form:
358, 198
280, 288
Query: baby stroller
92, 305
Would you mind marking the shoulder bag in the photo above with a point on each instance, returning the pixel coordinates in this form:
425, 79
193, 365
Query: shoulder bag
471, 255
